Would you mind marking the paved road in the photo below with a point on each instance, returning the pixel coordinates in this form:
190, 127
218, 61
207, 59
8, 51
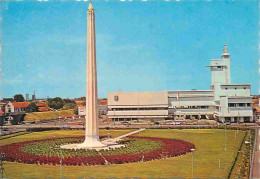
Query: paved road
256, 157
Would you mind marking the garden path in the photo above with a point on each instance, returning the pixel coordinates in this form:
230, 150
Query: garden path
107, 141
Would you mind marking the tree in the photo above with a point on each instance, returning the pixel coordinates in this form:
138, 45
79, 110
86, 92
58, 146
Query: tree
69, 106
69, 101
18, 98
33, 108
56, 103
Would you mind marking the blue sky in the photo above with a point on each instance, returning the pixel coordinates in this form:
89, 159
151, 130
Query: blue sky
141, 46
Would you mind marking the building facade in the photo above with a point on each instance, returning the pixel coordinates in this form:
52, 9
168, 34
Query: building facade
137, 105
224, 101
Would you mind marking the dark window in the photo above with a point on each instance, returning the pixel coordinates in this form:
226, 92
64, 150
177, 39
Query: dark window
231, 105
244, 87
248, 104
226, 88
235, 88
241, 104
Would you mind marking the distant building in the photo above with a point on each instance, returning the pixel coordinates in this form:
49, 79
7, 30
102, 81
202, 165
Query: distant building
21, 106
102, 110
43, 107
8, 99
80, 102
224, 101
255, 102
33, 96
9, 108
27, 97
2, 107
256, 112
2, 118
81, 111
2, 113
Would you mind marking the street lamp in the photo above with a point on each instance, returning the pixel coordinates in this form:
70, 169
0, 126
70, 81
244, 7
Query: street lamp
225, 137
192, 150
249, 142
60, 159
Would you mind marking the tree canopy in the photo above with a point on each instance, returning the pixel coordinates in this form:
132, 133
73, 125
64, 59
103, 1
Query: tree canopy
33, 108
56, 103
69, 106
19, 98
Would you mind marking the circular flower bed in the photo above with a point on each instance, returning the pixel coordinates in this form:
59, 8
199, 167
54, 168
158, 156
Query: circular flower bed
138, 149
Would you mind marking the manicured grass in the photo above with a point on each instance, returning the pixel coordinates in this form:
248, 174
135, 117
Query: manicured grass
209, 149
47, 148
48, 115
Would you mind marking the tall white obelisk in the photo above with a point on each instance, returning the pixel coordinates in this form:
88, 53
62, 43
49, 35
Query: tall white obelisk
92, 131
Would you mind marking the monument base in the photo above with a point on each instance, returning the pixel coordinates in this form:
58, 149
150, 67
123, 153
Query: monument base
93, 144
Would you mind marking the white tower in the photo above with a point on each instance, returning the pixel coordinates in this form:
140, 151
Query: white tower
226, 60
92, 131
220, 69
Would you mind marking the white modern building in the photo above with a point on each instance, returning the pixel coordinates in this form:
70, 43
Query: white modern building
224, 101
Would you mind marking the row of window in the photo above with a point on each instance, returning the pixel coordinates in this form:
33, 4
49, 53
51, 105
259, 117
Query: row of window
136, 109
191, 107
239, 105
234, 88
217, 67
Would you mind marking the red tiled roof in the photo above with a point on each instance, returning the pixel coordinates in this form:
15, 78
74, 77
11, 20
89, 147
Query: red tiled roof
80, 102
41, 109
255, 101
21, 104
257, 109
41, 105
104, 102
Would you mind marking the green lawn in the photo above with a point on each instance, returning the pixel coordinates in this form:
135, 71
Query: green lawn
209, 149
48, 115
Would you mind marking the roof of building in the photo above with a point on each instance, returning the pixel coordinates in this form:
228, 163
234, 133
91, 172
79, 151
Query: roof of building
194, 90
21, 104
242, 84
103, 102
80, 102
41, 105
41, 109
255, 101
3, 104
216, 65
257, 109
